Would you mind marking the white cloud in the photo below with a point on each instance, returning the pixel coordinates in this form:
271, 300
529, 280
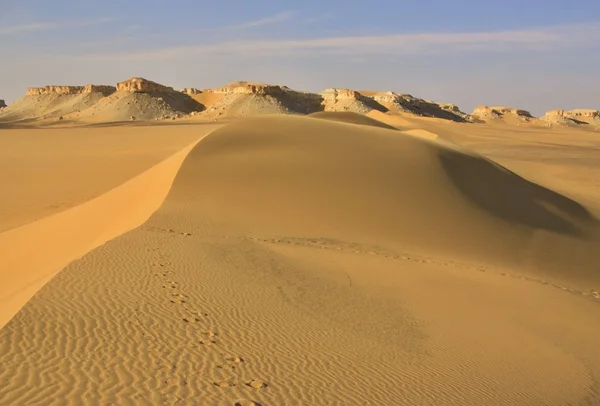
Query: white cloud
14, 29
546, 38
275, 19
51, 25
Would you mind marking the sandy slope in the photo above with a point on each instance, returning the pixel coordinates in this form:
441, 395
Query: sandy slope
352, 118
48, 106
303, 261
45, 171
70, 233
122, 106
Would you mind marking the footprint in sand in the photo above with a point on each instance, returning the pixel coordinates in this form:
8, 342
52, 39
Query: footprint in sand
227, 383
256, 384
175, 381
234, 360
191, 319
231, 362
246, 402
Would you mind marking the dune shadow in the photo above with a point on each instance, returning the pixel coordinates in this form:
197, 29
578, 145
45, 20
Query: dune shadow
352, 118
514, 199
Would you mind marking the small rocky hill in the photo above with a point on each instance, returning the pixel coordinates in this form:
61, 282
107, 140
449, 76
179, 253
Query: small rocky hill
140, 99
242, 99
573, 117
395, 102
53, 102
496, 113
133, 99
335, 99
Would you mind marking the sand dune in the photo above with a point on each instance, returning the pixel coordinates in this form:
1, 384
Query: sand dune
80, 229
421, 133
298, 260
351, 118
45, 171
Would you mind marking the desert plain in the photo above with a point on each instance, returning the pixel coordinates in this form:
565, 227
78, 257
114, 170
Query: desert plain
254, 245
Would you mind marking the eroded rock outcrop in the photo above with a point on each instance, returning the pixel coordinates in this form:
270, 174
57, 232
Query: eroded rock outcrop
104, 89
37, 91
576, 116
141, 85
2, 104
63, 90
249, 88
335, 95
190, 91
241, 99
426, 108
336, 99
496, 112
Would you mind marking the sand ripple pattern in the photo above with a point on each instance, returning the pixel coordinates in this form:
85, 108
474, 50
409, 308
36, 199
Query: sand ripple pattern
181, 315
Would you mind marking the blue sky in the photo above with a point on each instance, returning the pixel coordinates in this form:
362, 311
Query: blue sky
536, 55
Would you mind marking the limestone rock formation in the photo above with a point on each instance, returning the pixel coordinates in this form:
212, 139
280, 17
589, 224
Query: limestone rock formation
104, 89
335, 99
2, 104
64, 90
577, 116
241, 99
249, 88
335, 94
139, 98
497, 112
190, 91
141, 85
426, 108
37, 91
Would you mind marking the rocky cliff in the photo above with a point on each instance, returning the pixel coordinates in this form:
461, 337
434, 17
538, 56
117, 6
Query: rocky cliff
249, 88
104, 89
333, 95
584, 113
2, 104
241, 99
426, 108
496, 112
141, 85
62, 90
577, 116
142, 99
37, 91
133, 99
336, 99
190, 91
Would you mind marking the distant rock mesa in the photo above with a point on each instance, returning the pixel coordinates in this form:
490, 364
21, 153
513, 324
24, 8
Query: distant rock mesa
141, 99
141, 85
63, 90
496, 112
576, 116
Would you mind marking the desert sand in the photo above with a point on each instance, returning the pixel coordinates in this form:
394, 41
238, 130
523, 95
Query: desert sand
332, 258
